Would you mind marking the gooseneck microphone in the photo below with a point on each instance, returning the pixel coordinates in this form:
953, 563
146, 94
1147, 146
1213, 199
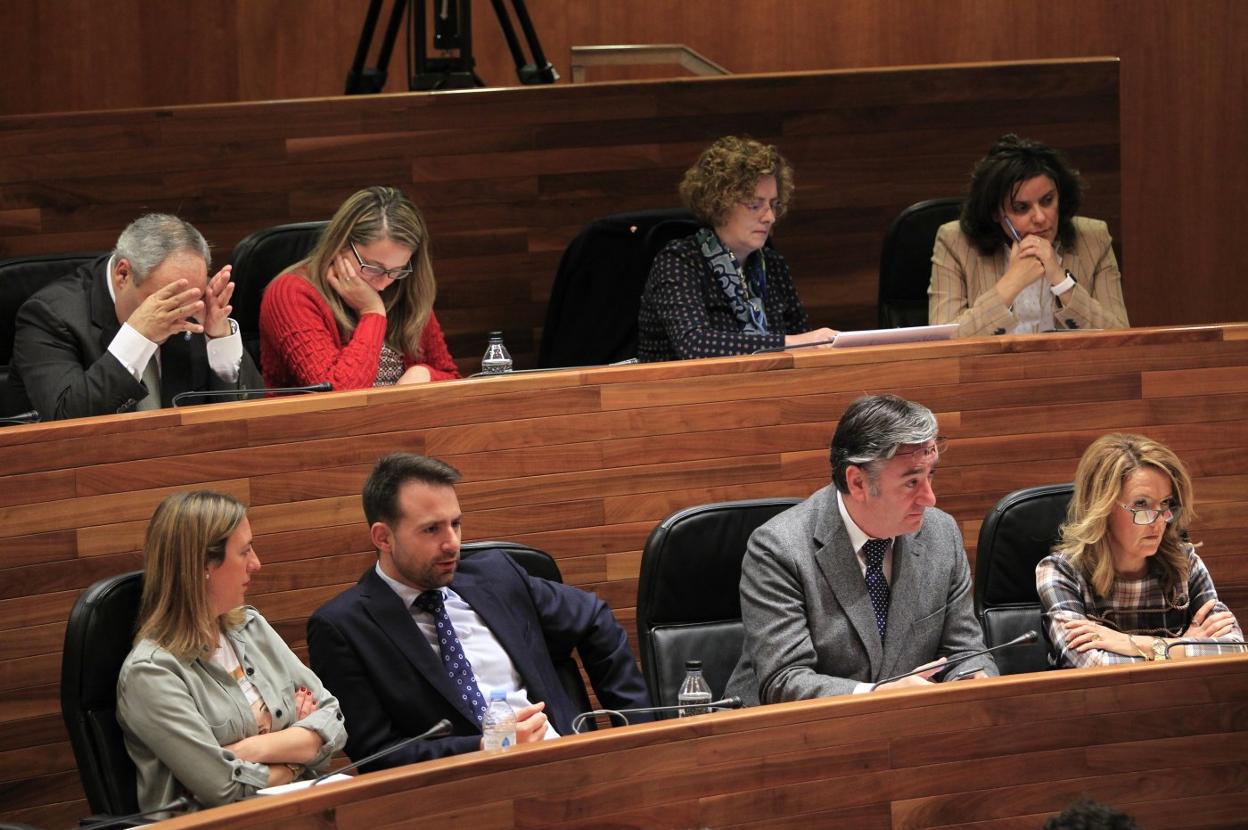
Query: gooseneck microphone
31, 417
579, 721
439, 730
778, 349
178, 805
1029, 637
1239, 645
246, 394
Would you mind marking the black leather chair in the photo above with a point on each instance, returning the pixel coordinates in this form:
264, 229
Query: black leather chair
906, 261
542, 565
97, 639
19, 278
688, 597
591, 317
1017, 533
257, 259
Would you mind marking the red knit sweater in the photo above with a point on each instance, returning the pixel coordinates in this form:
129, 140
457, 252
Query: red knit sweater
300, 343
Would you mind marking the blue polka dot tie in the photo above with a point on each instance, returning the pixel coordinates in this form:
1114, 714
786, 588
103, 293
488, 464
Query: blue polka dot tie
877, 586
453, 658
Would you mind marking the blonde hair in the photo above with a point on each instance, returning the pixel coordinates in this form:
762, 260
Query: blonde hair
188, 532
726, 174
366, 216
1098, 481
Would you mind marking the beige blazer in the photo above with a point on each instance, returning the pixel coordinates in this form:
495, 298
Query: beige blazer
963, 279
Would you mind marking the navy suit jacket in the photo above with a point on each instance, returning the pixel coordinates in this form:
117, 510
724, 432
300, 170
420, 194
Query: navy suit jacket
366, 648
61, 361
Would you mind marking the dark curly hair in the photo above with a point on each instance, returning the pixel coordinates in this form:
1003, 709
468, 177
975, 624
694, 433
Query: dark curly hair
997, 177
726, 174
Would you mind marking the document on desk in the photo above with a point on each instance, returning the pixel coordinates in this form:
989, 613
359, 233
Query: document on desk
295, 786
886, 337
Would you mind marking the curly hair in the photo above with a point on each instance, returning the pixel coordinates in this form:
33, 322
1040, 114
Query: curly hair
1104, 467
997, 177
726, 174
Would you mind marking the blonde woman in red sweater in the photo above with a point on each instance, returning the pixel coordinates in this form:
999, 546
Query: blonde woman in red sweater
358, 311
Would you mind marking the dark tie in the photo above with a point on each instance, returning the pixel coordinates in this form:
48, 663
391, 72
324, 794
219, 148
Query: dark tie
453, 659
877, 586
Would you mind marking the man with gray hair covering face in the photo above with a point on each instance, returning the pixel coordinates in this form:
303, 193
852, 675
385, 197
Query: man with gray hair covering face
866, 579
131, 329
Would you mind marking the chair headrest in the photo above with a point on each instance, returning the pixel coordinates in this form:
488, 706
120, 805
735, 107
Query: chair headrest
1017, 533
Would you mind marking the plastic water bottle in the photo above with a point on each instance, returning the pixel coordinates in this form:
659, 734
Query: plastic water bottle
497, 359
694, 693
499, 723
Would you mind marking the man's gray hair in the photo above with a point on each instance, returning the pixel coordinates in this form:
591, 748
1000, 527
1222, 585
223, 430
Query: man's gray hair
149, 240
871, 431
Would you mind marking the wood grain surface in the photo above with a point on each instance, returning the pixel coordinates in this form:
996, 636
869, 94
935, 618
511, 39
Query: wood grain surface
582, 463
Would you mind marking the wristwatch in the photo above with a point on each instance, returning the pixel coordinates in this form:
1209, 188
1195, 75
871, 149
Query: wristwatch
1159, 649
1065, 285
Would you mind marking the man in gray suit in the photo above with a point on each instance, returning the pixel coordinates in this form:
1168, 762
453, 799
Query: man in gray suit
865, 579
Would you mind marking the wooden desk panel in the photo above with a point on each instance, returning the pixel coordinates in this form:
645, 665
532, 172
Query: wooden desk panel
1166, 743
507, 177
581, 463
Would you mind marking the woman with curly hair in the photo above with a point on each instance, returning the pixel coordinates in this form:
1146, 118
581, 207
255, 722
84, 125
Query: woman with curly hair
720, 292
1019, 260
1124, 584
358, 311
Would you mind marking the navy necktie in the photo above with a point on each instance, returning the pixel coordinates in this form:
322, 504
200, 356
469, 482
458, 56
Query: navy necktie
453, 658
877, 586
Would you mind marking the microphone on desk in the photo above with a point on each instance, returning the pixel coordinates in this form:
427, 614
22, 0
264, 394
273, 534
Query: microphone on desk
178, 805
439, 730
31, 417
778, 349
323, 386
1205, 641
1022, 639
733, 702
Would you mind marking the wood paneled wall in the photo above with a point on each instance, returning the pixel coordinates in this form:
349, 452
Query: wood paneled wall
1183, 66
581, 463
1164, 743
507, 178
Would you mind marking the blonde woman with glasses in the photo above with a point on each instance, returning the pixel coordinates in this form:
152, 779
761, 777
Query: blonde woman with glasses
1124, 584
358, 311
212, 702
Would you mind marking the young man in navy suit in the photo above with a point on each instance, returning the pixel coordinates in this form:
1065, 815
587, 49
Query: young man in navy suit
425, 636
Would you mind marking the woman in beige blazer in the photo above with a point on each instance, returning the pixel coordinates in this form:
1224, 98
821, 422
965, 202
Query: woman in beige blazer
1019, 260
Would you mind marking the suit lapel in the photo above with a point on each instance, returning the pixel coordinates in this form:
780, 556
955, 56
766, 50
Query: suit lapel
511, 631
395, 621
836, 561
904, 592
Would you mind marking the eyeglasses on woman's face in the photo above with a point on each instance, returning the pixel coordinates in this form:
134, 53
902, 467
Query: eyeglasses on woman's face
1144, 515
370, 270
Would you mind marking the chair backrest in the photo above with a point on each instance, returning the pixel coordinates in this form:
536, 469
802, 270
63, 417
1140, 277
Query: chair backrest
906, 261
257, 259
688, 596
98, 637
542, 565
1017, 533
591, 317
19, 278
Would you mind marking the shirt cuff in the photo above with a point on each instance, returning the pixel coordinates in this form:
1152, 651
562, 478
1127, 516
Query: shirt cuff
225, 354
132, 350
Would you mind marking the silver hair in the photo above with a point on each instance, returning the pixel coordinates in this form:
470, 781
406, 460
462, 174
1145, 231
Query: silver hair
149, 240
871, 431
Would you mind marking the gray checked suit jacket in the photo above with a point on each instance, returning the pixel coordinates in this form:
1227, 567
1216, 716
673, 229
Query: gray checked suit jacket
809, 626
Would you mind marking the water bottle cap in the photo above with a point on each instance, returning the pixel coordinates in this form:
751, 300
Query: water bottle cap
498, 694
690, 665
496, 335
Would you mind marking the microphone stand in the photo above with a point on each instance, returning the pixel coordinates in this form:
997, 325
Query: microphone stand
439, 730
1029, 637
245, 394
579, 721
179, 804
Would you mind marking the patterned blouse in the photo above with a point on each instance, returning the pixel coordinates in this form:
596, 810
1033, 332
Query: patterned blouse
1134, 606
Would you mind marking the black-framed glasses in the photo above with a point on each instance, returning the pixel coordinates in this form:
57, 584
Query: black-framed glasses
1148, 515
369, 270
